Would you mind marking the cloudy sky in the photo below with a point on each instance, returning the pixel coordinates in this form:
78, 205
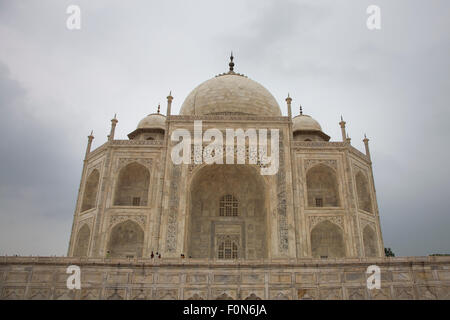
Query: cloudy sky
56, 85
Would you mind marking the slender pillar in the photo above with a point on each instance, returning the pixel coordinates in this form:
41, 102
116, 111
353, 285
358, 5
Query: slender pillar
113, 128
366, 145
89, 144
348, 140
288, 102
77, 205
157, 228
342, 124
169, 103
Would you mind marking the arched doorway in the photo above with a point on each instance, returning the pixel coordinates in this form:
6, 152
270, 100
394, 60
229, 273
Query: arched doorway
90, 191
322, 187
327, 241
370, 242
82, 242
126, 240
227, 213
132, 186
362, 189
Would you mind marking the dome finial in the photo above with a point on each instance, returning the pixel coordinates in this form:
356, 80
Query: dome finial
159, 107
301, 110
231, 64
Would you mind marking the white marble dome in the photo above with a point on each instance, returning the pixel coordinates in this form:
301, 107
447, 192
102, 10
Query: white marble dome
153, 121
304, 122
230, 93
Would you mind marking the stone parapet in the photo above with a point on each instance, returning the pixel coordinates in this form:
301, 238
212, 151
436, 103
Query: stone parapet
401, 278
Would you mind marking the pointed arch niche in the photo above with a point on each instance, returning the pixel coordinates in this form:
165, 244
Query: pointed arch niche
132, 186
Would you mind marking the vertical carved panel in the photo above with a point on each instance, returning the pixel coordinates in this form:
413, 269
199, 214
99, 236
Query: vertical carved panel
281, 205
174, 199
356, 236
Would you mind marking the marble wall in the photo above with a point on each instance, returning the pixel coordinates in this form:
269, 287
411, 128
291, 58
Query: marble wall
401, 278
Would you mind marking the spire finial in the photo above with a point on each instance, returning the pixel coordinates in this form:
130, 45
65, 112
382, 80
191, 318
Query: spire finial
231, 64
92, 132
342, 119
288, 99
159, 107
301, 110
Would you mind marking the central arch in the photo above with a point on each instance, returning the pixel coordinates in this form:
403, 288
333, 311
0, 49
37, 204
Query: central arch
227, 213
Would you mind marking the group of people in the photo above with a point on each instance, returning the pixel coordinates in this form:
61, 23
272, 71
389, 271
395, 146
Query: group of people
152, 255
158, 255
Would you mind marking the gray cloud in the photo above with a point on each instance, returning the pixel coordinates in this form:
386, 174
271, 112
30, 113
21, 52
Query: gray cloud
56, 85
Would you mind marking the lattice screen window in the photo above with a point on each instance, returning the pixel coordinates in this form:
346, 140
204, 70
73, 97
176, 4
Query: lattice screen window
228, 250
319, 202
229, 206
136, 201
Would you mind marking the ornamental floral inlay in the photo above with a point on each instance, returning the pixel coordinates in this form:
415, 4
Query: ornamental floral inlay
147, 162
328, 162
87, 221
141, 220
314, 220
364, 222
97, 167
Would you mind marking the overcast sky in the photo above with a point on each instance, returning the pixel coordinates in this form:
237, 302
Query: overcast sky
56, 85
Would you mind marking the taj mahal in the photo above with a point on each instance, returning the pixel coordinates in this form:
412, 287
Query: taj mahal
134, 200
145, 227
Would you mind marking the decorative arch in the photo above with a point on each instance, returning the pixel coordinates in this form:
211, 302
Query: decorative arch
252, 297
322, 186
132, 186
239, 190
126, 240
82, 241
370, 242
363, 191
224, 296
327, 241
90, 191
195, 296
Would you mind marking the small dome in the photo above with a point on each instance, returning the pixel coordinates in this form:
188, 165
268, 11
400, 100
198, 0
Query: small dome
152, 121
230, 93
304, 122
